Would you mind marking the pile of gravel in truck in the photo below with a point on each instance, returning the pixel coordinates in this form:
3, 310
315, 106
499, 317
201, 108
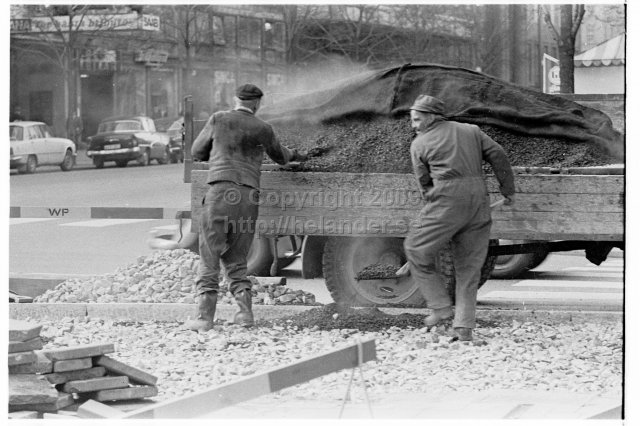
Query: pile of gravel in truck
362, 124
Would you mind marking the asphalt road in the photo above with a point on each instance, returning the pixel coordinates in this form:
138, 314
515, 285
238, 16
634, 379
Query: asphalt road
77, 246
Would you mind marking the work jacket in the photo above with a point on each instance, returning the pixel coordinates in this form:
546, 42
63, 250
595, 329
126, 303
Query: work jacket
448, 150
234, 143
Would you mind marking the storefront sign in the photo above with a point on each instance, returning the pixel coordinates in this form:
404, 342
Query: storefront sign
152, 56
98, 60
111, 22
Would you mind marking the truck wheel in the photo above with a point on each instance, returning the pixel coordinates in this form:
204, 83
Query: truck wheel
514, 265
344, 257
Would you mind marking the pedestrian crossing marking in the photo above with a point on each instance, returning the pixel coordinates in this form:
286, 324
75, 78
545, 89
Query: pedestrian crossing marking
19, 221
101, 223
571, 284
549, 295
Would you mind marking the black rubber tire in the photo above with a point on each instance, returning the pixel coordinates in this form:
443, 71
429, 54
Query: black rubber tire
122, 163
515, 265
68, 162
165, 157
31, 165
98, 162
143, 159
344, 257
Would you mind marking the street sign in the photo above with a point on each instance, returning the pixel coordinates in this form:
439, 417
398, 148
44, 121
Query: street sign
98, 22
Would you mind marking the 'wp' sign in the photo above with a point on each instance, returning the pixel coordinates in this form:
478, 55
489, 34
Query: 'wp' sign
126, 22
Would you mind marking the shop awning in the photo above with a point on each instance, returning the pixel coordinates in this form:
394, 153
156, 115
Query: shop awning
610, 52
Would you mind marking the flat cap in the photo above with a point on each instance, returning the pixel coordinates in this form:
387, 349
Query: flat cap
248, 91
426, 103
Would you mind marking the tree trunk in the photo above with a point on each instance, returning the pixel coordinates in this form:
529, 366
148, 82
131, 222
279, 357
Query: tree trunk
566, 49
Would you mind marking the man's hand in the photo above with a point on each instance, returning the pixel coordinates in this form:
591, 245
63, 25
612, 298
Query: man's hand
509, 199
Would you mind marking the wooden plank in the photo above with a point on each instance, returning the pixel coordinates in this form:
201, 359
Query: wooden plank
135, 375
71, 364
79, 351
134, 392
21, 331
69, 376
21, 358
29, 345
244, 389
97, 410
97, 384
337, 203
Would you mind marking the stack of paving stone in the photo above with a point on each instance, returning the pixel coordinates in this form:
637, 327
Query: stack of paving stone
45, 381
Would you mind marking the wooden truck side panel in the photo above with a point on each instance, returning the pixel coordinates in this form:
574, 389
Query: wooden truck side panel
548, 207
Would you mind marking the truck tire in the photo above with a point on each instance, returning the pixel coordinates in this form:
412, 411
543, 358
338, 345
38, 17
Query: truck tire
514, 265
344, 257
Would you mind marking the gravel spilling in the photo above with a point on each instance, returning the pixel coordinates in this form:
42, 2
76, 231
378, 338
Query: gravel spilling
546, 355
165, 276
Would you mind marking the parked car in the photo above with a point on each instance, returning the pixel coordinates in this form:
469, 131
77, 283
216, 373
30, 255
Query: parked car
175, 129
33, 144
176, 133
124, 139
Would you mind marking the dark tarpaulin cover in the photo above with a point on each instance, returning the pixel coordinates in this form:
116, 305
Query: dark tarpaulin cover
469, 96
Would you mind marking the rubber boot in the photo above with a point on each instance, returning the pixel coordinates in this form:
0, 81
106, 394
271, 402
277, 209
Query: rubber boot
244, 316
206, 311
463, 334
438, 315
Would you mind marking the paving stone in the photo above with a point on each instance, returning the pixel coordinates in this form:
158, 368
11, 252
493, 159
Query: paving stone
91, 385
24, 415
71, 364
133, 392
80, 351
30, 389
88, 373
42, 365
29, 345
21, 331
20, 358
64, 400
134, 374
97, 410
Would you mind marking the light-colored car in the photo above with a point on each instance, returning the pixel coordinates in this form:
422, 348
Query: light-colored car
33, 145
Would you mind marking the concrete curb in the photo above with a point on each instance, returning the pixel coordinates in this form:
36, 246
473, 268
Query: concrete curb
168, 312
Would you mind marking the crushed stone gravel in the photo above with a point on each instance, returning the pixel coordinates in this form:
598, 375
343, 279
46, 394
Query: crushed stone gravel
548, 355
165, 276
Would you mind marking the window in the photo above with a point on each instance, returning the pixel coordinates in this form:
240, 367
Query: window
218, 30
249, 31
15, 133
44, 130
34, 132
230, 30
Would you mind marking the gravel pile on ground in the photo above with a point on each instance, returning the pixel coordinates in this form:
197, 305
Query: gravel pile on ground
381, 145
377, 271
553, 355
166, 276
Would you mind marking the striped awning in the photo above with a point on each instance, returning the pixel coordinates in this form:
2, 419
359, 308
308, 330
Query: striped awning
611, 52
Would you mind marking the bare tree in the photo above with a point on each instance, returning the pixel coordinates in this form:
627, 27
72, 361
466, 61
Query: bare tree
565, 36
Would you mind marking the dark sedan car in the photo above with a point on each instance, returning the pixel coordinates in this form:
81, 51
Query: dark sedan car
124, 139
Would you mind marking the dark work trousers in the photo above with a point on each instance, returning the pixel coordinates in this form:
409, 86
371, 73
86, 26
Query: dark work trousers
227, 227
457, 210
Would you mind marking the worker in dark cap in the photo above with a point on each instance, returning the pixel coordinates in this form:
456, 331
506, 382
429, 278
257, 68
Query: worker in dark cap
234, 143
447, 161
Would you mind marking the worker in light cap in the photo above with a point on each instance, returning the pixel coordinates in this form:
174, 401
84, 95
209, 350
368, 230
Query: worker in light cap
234, 143
447, 161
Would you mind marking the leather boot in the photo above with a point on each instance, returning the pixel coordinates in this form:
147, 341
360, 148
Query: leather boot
244, 316
206, 311
463, 334
438, 315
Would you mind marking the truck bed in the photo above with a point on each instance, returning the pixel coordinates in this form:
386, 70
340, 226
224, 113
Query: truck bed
551, 204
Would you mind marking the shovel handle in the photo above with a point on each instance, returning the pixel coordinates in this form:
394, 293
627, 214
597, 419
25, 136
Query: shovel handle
498, 203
